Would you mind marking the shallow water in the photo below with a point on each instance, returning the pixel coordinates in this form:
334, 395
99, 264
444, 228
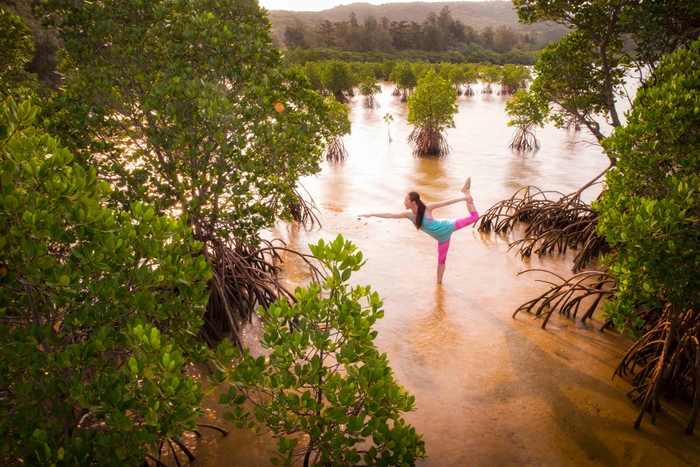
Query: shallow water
490, 389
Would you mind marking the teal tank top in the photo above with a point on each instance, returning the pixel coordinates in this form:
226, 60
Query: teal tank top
440, 229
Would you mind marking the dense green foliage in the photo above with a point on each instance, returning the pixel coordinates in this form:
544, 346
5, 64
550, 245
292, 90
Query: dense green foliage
473, 53
16, 52
179, 115
337, 78
431, 110
98, 309
325, 391
433, 104
650, 205
582, 75
437, 33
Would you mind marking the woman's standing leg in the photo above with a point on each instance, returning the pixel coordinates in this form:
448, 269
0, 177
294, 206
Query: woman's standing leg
442, 257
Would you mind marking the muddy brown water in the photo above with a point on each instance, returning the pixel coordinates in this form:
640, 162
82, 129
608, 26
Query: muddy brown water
490, 390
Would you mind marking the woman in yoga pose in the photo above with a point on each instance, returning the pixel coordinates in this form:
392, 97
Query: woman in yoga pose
440, 229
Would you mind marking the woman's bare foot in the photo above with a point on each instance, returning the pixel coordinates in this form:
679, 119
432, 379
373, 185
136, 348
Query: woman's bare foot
467, 185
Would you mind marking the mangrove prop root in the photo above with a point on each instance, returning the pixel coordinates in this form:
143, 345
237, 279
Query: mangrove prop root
214, 427
396, 92
370, 102
555, 222
304, 210
567, 295
572, 123
428, 142
509, 90
666, 360
468, 91
243, 278
336, 151
487, 89
174, 453
525, 139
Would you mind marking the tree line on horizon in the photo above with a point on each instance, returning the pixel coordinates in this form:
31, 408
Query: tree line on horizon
437, 33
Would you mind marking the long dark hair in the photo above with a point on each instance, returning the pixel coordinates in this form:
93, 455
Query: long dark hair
414, 196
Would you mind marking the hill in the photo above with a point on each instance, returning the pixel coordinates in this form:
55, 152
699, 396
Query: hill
478, 15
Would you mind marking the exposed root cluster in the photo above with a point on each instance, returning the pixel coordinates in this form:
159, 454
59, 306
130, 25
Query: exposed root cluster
568, 295
468, 91
667, 359
429, 142
525, 139
509, 90
487, 89
370, 102
244, 277
559, 224
172, 442
304, 211
336, 151
572, 123
396, 92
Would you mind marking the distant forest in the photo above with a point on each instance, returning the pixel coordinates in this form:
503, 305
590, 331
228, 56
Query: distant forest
436, 34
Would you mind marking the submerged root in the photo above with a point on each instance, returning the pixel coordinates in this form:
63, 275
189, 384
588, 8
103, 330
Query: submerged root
370, 102
558, 224
568, 295
572, 123
525, 139
244, 277
336, 151
341, 97
429, 142
509, 90
304, 211
666, 360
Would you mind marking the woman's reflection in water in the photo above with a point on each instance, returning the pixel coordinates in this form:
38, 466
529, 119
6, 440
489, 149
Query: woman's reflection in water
437, 334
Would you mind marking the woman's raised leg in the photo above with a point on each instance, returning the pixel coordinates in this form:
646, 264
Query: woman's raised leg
473, 215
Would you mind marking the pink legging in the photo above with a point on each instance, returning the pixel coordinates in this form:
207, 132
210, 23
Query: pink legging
459, 223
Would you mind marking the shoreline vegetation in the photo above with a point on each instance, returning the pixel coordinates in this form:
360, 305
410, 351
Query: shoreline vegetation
437, 38
188, 106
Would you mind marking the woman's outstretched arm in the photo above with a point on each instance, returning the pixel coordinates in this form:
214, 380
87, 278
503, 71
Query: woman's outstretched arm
387, 215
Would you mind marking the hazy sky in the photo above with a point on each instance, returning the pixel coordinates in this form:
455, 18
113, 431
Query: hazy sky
318, 5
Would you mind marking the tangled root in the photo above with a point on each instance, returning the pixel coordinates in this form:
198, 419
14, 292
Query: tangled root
487, 89
244, 276
304, 211
568, 295
572, 123
429, 142
468, 91
336, 151
666, 359
370, 102
525, 139
564, 223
